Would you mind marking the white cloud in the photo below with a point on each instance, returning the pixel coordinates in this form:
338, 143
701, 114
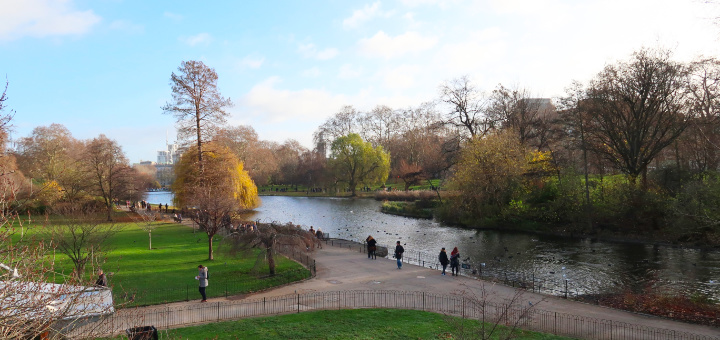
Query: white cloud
312, 72
173, 16
279, 105
311, 51
382, 45
348, 71
201, 38
401, 77
42, 18
252, 61
364, 14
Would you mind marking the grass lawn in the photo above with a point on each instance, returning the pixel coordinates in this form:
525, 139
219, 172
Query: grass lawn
301, 190
339, 324
167, 272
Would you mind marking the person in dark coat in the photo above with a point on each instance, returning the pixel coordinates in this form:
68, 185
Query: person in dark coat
443, 258
371, 247
399, 250
102, 279
455, 262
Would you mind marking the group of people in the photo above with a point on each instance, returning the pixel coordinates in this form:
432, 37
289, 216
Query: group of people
454, 261
243, 227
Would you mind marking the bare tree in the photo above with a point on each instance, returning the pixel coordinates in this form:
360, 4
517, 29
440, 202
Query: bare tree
637, 108
82, 237
515, 109
466, 106
574, 111
498, 319
148, 222
273, 238
112, 177
197, 103
343, 123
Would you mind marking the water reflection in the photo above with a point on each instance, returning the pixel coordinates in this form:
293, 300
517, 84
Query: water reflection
591, 266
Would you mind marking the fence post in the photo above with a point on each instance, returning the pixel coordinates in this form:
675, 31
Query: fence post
463, 307
218, 310
423, 300
555, 327
298, 303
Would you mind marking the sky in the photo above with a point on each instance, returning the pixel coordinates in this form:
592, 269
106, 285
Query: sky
104, 66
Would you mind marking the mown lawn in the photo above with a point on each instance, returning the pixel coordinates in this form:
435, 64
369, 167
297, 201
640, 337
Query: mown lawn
167, 272
342, 324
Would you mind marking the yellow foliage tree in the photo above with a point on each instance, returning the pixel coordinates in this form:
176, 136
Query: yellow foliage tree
216, 191
489, 171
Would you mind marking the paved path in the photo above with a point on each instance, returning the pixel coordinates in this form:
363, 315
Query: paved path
343, 269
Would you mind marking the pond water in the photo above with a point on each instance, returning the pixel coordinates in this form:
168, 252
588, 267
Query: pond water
590, 267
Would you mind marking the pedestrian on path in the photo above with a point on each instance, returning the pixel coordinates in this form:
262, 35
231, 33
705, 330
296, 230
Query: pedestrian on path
371, 247
443, 260
399, 250
202, 277
455, 262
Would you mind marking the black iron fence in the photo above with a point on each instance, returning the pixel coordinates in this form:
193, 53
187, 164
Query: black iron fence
526, 318
559, 286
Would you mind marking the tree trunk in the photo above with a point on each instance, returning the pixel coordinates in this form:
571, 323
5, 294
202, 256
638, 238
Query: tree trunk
199, 144
150, 239
109, 212
271, 261
210, 250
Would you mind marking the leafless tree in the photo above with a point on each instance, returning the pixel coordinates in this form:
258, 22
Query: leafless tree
112, 177
343, 123
498, 319
273, 238
637, 108
466, 106
529, 117
81, 237
197, 103
700, 142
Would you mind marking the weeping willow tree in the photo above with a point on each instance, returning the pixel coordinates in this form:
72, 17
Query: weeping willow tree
215, 191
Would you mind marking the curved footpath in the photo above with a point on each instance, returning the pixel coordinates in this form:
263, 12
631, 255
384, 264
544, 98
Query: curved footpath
343, 269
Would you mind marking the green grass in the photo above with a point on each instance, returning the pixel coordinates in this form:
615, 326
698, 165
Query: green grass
340, 324
167, 272
301, 190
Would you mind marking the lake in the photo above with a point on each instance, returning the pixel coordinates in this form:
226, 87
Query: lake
590, 267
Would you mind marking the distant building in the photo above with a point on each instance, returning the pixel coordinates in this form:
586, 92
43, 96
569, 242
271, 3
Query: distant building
171, 155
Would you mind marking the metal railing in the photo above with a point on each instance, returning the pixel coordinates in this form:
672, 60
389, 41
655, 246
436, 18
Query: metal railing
469, 308
485, 271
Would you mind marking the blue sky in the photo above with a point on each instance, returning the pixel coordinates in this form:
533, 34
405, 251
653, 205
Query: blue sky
103, 66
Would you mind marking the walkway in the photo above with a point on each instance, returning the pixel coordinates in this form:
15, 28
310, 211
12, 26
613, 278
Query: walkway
343, 269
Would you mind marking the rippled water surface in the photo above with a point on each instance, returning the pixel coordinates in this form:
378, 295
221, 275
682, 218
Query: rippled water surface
590, 267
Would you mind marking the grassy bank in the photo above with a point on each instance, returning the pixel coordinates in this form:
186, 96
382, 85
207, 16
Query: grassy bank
167, 272
408, 209
343, 324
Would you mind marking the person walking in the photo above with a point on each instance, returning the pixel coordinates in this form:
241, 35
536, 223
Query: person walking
371, 247
202, 277
319, 236
443, 260
399, 250
455, 262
